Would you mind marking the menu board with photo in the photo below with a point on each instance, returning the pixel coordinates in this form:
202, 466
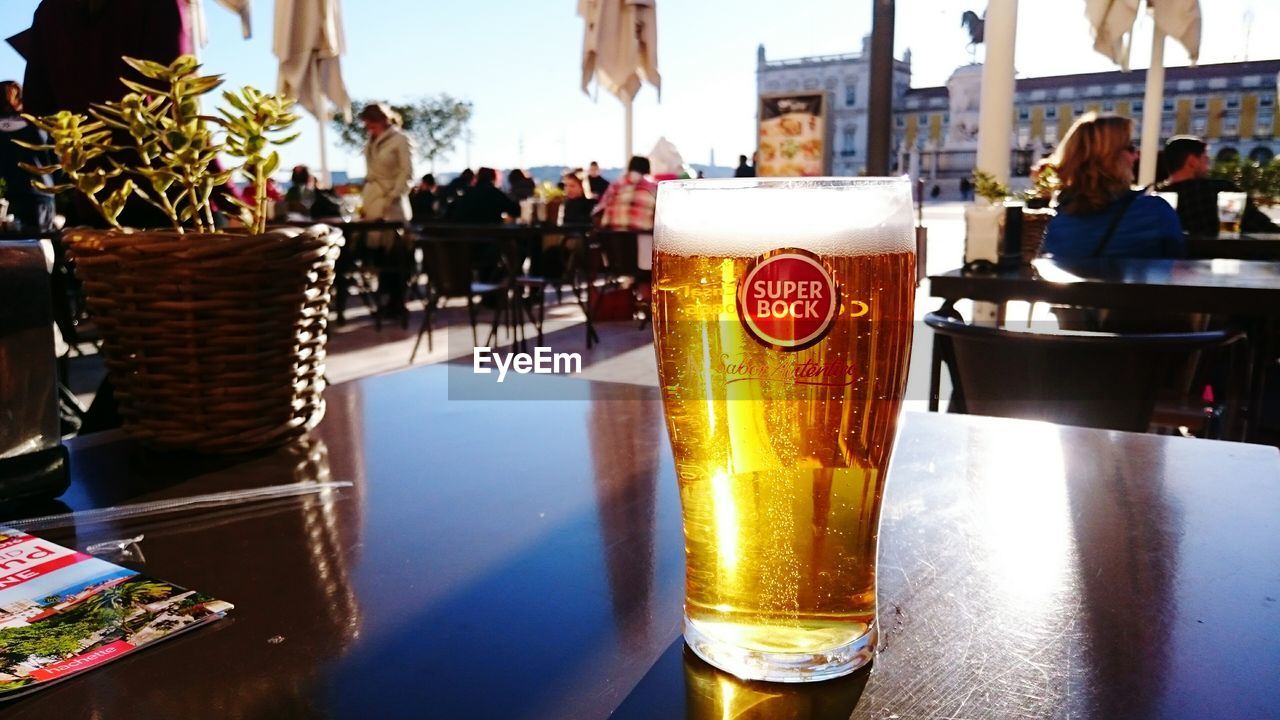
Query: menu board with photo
793, 136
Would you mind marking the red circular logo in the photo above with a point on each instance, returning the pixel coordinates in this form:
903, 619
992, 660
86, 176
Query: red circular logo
788, 299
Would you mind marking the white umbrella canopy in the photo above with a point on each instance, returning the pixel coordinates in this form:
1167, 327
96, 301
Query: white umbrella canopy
1112, 22
199, 26
620, 49
309, 44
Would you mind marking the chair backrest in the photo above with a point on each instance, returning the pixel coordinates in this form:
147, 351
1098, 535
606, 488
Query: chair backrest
449, 266
1073, 378
619, 250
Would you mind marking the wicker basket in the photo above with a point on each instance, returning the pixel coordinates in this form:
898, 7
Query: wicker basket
1034, 223
214, 343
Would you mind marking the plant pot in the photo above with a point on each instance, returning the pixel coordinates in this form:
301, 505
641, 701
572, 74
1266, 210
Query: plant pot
214, 342
1034, 224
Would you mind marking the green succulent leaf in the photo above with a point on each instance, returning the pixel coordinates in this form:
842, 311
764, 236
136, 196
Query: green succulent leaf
139, 87
38, 169
153, 70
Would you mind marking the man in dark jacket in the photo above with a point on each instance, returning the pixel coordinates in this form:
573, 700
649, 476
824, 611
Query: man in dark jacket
484, 202
1188, 161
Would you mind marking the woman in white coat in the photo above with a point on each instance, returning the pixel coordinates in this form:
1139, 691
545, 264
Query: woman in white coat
388, 178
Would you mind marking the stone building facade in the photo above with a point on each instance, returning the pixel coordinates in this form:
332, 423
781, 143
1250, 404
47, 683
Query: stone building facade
1230, 105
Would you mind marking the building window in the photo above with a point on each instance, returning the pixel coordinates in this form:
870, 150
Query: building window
1200, 103
1108, 106
1137, 107
1230, 127
1051, 112
1251, 81
1168, 105
1066, 92
900, 123
1198, 124
1166, 127
1037, 95
1217, 83
849, 141
1093, 90
1024, 113
913, 103
850, 94
1122, 89
810, 83
1186, 85
793, 84
1265, 120
1078, 108
1266, 100
1233, 102
1050, 135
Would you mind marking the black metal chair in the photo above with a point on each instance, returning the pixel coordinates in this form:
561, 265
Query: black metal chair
1110, 381
450, 274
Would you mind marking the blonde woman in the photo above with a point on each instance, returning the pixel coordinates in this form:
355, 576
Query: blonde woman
388, 178
1099, 214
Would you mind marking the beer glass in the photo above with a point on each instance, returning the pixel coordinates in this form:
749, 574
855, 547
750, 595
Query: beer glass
1230, 211
782, 317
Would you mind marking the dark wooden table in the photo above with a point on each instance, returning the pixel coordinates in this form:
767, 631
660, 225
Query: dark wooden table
517, 558
1248, 291
1226, 286
1247, 246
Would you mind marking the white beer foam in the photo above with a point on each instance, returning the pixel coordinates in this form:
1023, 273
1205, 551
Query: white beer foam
747, 217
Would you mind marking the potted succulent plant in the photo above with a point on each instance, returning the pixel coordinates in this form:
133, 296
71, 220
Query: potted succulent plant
1037, 212
214, 340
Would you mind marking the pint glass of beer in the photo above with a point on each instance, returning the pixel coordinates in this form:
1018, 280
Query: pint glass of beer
1230, 211
782, 314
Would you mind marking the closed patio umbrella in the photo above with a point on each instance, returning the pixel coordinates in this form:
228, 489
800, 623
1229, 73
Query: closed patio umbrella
309, 43
1112, 22
620, 49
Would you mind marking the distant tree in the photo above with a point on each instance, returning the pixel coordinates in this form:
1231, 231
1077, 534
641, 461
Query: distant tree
434, 123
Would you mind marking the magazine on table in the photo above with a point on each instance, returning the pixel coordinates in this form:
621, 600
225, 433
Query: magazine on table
63, 612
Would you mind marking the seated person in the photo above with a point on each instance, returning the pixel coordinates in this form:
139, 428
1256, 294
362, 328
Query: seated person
423, 198
301, 193
1098, 213
1187, 158
629, 202
484, 202
575, 210
578, 202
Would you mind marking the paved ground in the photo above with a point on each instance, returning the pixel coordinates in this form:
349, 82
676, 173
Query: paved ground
625, 353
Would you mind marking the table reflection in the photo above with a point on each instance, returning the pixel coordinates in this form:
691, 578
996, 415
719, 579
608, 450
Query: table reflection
624, 443
1127, 530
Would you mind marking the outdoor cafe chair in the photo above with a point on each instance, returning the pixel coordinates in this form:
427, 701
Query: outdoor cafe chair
618, 264
450, 274
1101, 380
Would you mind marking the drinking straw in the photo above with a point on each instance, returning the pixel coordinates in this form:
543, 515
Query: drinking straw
170, 505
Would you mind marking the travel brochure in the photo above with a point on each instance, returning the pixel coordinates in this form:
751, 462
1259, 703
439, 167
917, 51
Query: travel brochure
63, 612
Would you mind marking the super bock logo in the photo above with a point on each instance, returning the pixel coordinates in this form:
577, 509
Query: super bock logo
788, 300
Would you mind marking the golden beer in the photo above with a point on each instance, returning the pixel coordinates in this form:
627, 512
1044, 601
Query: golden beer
781, 439
1229, 226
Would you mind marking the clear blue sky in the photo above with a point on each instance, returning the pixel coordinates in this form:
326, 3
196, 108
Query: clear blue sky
519, 63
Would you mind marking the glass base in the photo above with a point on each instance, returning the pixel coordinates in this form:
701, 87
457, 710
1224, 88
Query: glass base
782, 667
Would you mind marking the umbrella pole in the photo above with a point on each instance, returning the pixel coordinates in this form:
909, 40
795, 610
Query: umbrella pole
626, 157
323, 119
1152, 111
